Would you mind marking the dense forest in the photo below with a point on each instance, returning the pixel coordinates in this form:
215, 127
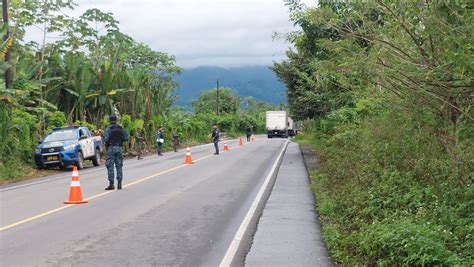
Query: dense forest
387, 92
85, 69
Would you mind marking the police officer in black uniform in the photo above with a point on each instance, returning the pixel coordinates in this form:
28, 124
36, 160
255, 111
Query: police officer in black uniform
114, 137
215, 138
249, 132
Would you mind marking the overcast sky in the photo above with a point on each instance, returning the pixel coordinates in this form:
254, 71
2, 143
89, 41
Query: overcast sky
224, 33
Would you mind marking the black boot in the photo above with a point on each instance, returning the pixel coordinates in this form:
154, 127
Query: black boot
119, 186
110, 187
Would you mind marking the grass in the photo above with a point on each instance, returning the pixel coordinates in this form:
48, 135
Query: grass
389, 194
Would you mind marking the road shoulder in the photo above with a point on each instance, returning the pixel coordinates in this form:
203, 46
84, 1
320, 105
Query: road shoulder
288, 231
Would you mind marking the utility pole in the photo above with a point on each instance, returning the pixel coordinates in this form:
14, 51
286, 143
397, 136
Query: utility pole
217, 98
8, 72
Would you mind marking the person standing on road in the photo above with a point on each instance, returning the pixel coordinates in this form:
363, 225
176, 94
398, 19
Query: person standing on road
160, 140
114, 136
249, 133
215, 138
175, 139
139, 143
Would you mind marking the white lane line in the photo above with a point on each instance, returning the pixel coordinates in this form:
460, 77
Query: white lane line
234, 245
84, 172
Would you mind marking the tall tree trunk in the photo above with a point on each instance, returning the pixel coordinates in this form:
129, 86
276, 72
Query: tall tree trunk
8, 72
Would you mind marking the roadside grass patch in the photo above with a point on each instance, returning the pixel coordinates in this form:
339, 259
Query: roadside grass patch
16, 171
389, 193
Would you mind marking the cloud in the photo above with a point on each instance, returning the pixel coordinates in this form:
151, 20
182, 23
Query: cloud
207, 32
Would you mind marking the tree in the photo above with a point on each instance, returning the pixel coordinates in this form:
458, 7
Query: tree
229, 101
416, 51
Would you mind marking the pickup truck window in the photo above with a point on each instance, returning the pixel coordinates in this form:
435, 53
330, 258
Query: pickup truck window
87, 132
82, 132
62, 135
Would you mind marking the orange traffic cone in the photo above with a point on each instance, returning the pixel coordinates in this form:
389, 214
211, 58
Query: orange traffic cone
75, 194
241, 143
226, 147
188, 159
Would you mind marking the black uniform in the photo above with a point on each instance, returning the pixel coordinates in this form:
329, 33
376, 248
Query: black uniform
249, 133
215, 138
114, 137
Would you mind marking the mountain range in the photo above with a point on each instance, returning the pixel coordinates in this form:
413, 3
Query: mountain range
257, 81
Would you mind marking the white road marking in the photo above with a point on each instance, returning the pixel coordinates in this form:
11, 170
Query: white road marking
234, 245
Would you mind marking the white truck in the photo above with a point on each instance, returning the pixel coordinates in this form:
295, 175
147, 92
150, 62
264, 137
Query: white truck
293, 126
277, 124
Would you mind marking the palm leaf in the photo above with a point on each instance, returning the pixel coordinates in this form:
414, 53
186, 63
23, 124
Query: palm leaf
92, 95
72, 92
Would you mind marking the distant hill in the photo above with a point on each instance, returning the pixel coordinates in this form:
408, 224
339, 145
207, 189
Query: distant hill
259, 82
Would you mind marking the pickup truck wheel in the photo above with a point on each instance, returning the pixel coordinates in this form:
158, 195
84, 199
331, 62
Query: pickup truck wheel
80, 161
96, 158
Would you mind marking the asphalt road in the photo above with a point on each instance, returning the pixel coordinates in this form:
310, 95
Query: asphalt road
167, 214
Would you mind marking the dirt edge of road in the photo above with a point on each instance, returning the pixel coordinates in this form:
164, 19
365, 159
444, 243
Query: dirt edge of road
310, 158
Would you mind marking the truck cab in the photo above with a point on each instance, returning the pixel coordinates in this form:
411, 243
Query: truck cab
291, 127
66, 146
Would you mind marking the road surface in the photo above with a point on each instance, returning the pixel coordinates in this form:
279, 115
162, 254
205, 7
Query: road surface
168, 213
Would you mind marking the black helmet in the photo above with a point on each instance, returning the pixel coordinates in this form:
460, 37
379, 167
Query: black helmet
112, 118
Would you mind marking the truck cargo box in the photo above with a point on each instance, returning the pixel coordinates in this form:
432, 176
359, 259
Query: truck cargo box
277, 124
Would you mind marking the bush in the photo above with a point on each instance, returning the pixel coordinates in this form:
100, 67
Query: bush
391, 190
406, 243
19, 134
26, 126
85, 124
55, 119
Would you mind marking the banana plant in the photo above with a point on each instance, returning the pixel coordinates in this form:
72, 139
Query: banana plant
77, 81
28, 88
5, 95
102, 97
135, 79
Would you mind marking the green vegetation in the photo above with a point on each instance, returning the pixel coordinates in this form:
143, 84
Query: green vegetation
91, 71
386, 90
